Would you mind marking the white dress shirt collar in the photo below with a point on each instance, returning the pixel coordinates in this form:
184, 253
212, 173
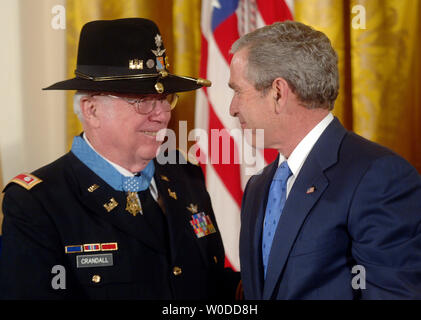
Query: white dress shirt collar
125, 172
301, 151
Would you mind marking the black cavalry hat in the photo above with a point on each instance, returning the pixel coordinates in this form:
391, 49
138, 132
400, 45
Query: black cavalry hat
126, 56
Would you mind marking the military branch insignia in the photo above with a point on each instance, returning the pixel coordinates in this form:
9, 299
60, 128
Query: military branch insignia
110, 205
158, 41
165, 178
202, 225
133, 204
26, 180
136, 64
172, 194
160, 64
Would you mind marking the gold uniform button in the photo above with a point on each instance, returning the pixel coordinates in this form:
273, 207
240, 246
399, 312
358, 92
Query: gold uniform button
96, 278
215, 259
176, 271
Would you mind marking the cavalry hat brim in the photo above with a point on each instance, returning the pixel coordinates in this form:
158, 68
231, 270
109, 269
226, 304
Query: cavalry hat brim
171, 83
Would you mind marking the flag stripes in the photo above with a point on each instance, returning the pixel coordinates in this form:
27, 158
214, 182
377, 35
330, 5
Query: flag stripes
223, 21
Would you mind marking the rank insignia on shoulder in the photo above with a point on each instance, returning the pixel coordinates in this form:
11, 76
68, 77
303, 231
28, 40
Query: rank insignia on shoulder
26, 180
202, 225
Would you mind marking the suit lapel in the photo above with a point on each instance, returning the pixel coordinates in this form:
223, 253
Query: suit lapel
136, 226
300, 203
296, 209
252, 230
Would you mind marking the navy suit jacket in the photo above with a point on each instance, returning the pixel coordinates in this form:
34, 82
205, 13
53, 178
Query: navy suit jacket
365, 210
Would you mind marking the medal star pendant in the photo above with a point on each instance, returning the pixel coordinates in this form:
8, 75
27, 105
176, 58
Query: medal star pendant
133, 204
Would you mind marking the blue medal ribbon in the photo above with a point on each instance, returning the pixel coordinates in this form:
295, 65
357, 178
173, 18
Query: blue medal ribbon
107, 172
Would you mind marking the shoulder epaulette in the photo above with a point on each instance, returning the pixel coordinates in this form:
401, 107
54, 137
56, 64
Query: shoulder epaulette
26, 180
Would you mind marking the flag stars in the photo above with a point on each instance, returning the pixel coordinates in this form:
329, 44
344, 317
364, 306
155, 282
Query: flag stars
216, 4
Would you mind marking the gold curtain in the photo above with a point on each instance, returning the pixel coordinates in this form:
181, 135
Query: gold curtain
380, 71
380, 94
179, 23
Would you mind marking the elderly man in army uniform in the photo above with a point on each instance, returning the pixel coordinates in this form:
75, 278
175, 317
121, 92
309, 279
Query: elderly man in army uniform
107, 215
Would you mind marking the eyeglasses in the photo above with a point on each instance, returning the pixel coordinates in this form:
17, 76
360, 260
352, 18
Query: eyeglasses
148, 103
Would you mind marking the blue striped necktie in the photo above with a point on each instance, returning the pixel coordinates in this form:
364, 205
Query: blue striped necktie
274, 207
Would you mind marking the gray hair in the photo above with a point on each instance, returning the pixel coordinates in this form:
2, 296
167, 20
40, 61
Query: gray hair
304, 57
76, 104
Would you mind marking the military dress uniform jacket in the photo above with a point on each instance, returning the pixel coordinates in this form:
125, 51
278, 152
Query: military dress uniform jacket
73, 208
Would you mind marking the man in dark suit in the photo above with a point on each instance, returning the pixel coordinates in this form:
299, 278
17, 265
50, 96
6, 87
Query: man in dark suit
335, 216
108, 220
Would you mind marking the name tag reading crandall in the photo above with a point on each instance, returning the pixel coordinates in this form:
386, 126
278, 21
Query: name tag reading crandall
94, 260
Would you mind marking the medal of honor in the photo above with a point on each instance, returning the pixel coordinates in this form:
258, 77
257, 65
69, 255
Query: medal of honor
133, 204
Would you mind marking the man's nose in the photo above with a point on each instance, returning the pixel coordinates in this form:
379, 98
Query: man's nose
233, 108
160, 111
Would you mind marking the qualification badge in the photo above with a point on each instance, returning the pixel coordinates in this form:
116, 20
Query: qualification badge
193, 208
202, 225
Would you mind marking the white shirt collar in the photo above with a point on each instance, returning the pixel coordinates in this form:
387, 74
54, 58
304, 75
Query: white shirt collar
301, 151
120, 169
125, 172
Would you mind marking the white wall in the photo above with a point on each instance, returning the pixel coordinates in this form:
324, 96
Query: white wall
32, 56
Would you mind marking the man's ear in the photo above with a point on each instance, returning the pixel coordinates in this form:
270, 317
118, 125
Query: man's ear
280, 91
88, 107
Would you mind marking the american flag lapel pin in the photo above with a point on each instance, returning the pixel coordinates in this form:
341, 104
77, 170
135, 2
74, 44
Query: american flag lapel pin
311, 190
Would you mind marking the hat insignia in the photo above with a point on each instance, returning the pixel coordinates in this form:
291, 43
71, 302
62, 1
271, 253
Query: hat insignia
136, 64
150, 63
158, 41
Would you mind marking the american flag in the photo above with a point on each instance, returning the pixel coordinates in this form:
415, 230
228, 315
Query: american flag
223, 22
